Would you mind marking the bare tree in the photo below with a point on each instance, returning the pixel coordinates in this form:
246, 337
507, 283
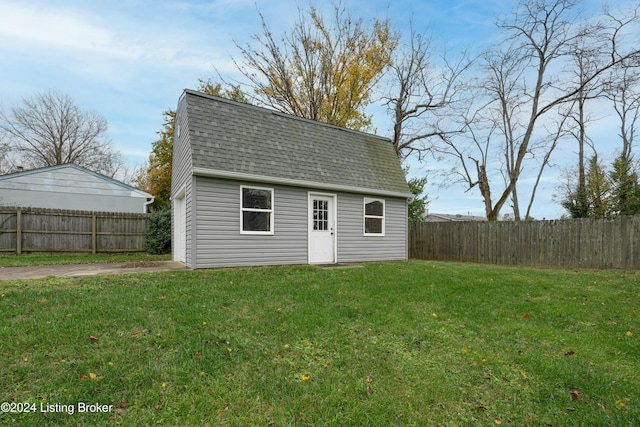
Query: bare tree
527, 81
421, 91
6, 163
624, 93
50, 129
623, 89
585, 59
559, 132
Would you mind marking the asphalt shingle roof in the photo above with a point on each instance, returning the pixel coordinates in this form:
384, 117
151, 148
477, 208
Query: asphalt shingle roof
239, 138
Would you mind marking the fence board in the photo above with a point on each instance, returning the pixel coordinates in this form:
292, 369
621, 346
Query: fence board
53, 230
572, 243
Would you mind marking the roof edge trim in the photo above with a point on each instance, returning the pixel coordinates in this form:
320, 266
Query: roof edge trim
213, 173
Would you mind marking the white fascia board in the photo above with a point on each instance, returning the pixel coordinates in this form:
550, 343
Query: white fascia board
213, 173
140, 194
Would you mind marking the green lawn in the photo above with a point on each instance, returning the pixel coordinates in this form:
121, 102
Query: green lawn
76, 258
402, 343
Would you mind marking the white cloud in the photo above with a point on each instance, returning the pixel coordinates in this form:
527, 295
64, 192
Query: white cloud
35, 26
82, 34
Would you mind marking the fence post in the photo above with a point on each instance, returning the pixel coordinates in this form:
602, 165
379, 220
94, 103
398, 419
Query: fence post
18, 231
94, 239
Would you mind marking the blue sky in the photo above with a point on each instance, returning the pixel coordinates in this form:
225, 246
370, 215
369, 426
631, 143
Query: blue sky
130, 60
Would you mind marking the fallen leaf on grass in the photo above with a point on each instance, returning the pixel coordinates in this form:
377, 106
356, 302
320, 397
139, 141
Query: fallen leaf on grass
629, 333
526, 315
92, 377
92, 338
570, 353
198, 355
498, 421
575, 394
120, 410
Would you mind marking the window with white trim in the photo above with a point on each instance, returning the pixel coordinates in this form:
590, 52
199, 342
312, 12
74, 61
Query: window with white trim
373, 217
256, 210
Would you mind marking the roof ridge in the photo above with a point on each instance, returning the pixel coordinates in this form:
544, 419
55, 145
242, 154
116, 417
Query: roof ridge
282, 114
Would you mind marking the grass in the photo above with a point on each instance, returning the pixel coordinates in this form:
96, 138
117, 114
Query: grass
401, 343
76, 258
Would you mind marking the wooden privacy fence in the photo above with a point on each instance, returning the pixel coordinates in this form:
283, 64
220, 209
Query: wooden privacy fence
53, 230
590, 243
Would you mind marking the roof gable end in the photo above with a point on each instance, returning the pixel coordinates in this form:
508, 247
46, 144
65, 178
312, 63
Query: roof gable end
68, 177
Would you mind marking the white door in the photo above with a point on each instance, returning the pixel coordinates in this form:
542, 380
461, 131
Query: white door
179, 228
322, 236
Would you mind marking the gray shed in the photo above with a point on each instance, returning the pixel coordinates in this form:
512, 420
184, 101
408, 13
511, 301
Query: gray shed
69, 186
252, 186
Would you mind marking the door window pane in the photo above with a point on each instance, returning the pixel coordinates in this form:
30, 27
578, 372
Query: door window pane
320, 215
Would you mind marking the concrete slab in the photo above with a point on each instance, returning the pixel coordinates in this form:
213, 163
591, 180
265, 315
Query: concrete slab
77, 270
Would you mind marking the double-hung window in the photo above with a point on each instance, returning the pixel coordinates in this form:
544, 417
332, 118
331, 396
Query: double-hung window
373, 217
256, 210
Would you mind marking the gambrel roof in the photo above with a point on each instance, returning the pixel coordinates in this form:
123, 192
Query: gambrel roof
240, 141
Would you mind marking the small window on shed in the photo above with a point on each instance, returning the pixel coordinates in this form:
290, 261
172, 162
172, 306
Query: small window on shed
256, 213
373, 217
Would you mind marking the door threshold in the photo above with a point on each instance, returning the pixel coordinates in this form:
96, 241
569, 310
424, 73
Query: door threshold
339, 265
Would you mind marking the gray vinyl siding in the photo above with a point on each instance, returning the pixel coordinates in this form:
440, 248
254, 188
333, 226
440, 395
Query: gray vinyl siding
69, 186
181, 177
189, 228
354, 246
182, 159
71, 201
217, 236
218, 242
